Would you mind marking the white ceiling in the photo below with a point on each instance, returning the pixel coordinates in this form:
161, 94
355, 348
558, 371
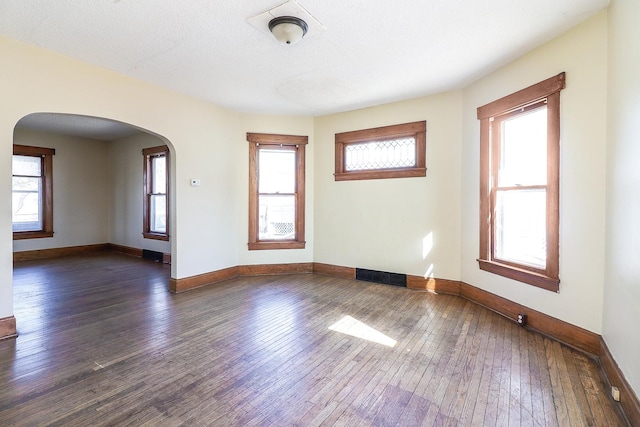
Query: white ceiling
365, 52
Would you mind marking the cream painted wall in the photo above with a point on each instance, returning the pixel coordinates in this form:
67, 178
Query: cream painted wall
622, 279
286, 125
406, 225
582, 54
125, 193
205, 141
80, 207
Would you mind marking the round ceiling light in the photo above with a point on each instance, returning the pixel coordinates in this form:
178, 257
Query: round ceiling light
288, 29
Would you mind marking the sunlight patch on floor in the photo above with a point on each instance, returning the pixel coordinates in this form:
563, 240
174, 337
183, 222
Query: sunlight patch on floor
350, 326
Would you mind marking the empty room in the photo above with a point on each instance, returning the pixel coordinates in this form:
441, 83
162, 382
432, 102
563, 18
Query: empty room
309, 213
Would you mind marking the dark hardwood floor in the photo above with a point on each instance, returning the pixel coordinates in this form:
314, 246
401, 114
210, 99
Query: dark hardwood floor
102, 342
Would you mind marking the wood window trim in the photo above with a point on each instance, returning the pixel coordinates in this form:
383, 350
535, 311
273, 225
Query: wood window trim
548, 89
147, 154
47, 190
418, 130
262, 139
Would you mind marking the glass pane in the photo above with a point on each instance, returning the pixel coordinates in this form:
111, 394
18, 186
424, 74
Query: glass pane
158, 165
27, 165
276, 217
520, 227
26, 204
277, 171
158, 214
523, 160
21, 183
388, 154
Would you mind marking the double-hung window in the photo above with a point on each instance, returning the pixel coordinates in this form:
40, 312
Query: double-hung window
156, 185
276, 191
519, 184
32, 192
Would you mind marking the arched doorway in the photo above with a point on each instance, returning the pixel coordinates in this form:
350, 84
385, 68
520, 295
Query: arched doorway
98, 178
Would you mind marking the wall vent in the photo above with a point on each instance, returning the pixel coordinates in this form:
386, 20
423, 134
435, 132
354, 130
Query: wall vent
152, 255
395, 279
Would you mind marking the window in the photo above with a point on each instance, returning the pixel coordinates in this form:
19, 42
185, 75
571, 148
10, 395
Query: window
276, 191
156, 201
32, 192
519, 184
397, 151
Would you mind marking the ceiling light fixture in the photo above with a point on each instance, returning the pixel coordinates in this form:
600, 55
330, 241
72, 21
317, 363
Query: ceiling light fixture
288, 29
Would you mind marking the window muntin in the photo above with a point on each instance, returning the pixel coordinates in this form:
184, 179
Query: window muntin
32, 192
519, 185
156, 185
396, 151
276, 191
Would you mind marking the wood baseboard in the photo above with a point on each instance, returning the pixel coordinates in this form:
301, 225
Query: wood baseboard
431, 284
79, 250
127, 250
613, 375
559, 330
8, 328
271, 269
58, 252
213, 277
192, 282
334, 270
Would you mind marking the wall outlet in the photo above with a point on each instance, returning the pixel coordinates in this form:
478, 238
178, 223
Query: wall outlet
522, 319
615, 393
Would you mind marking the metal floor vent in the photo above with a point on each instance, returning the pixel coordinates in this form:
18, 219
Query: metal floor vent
152, 255
395, 279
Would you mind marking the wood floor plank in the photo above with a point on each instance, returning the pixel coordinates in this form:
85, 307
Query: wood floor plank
102, 342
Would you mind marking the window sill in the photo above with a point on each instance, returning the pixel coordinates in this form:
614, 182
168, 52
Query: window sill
156, 236
381, 174
265, 245
21, 235
521, 275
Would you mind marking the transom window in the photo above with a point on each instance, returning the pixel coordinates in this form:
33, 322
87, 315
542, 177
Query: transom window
156, 201
276, 191
519, 184
386, 154
396, 151
32, 192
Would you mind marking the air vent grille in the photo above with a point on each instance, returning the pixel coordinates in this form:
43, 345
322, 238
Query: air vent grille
384, 277
152, 255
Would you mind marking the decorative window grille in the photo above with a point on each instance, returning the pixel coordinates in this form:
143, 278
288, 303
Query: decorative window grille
386, 154
395, 151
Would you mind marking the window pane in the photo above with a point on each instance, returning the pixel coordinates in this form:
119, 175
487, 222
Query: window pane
26, 204
524, 149
392, 153
276, 171
27, 165
158, 165
276, 217
520, 227
158, 219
